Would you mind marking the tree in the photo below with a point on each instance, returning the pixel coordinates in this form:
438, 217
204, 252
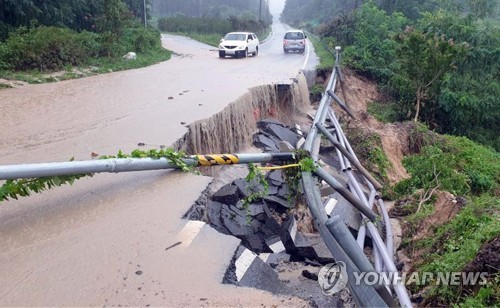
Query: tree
483, 8
110, 24
424, 59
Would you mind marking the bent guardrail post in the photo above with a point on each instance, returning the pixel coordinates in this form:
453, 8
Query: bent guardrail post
365, 296
341, 103
344, 237
320, 116
400, 289
348, 155
115, 165
389, 242
346, 194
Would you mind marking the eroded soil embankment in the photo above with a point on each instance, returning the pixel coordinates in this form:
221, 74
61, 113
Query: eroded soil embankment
232, 129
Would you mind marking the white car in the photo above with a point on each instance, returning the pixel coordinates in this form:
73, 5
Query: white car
239, 44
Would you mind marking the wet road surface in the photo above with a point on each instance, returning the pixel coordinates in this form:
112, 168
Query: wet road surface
103, 241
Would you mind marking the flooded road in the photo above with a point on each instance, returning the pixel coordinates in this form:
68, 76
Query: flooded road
103, 240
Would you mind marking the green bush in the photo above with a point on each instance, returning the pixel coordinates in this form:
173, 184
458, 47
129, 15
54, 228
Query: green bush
455, 244
4, 63
141, 39
211, 25
47, 48
4, 31
457, 165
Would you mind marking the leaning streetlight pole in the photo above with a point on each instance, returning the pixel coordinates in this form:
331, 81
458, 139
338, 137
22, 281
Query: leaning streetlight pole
260, 10
144, 13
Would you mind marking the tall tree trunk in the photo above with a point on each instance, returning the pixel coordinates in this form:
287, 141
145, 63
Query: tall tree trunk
417, 107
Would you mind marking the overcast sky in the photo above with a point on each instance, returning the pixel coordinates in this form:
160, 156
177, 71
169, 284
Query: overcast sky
276, 7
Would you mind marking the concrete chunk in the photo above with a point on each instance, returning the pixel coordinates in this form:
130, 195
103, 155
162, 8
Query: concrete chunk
227, 194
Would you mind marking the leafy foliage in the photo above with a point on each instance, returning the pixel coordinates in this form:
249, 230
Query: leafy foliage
374, 48
458, 165
47, 48
368, 148
456, 243
24, 187
111, 24
441, 68
424, 58
220, 9
183, 24
211, 25
255, 193
51, 48
77, 15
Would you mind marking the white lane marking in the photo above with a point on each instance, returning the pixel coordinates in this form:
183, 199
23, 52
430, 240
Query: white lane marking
307, 54
243, 263
264, 256
293, 230
330, 205
299, 130
277, 247
190, 231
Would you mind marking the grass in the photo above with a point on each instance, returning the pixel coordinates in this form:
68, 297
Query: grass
326, 56
368, 148
209, 39
384, 112
472, 171
455, 245
214, 38
95, 67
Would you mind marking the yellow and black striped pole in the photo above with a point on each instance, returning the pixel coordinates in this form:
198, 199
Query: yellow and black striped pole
232, 159
116, 165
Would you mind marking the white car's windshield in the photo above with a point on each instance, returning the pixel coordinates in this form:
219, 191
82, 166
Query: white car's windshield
235, 37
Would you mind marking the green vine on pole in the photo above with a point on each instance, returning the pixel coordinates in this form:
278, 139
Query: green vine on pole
293, 174
13, 189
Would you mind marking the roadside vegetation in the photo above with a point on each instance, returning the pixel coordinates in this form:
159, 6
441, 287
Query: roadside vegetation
86, 38
210, 30
440, 65
211, 20
51, 42
437, 64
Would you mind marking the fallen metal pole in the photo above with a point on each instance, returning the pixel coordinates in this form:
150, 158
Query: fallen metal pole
364, 295
346, 194
340, 103
344, 237
399, 287
115, 165
348, 155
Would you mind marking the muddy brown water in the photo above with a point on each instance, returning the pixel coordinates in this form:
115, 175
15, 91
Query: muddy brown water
103, 241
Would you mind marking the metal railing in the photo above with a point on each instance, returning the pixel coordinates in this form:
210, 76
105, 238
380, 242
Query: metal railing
339, 240
341, 243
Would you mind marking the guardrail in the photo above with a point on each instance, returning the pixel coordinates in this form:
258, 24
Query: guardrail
341, 243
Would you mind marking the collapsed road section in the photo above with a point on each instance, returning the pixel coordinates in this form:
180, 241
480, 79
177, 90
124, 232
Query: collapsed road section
275, 231
340, 199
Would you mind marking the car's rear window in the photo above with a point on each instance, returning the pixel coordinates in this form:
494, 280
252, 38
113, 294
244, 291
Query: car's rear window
294, 36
